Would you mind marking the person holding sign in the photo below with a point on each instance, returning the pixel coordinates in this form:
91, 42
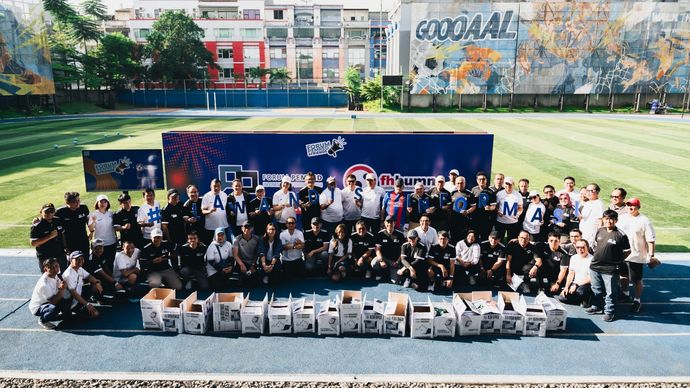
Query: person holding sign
508, 212
213, 208
483, 216
440, 202
564, 218
284, 203
352, 203
463, 204
149, 215
331, 202
260, 211
237, 207
195, 219
309, 200
418, 203
534, 217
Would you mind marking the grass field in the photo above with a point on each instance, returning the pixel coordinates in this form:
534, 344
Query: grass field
650, 159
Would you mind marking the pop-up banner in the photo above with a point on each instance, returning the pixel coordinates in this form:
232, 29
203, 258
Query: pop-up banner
264, 158
112, 170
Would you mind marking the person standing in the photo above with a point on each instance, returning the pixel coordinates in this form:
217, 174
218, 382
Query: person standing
101, 228
309, 200
569, 189
46, 236
260, 211
195, 219
534, 217
642, 240
284, 203
509, 208
372, 202
618, 201
73, 218
149, 214
484, 216
174, 218
418, 204
213, 208
331, 202
125, 222
463, 205
591, 213
352, 203
450, 183
237, 207
395, 206
610, 250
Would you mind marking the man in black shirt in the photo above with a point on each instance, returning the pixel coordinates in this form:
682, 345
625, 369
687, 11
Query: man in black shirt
464, 203
484, 216
315, 246
125, 222
441, 203
193, 262
610, 250
362, 248
173, 219
309, 200
413, 257
260, 211
418, 204
155, 262
195, 221
520, 261
553, 263
492, 260
73, 217
388, 243
46, 236
102, 269
442, 261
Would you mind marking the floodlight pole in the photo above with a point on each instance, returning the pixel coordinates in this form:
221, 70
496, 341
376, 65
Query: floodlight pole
380, 48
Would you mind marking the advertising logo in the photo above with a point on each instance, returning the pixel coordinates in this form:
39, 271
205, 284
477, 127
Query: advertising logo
114, 166
360, 171
229, 172
329, 147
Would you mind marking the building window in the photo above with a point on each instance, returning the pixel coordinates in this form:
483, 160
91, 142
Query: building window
251, 57
331, 74
356, 58
142, 33
225, 72
330, 53
277, 33
380, 54
251, 14
277, 53
250, 33
356, 34
277, 14
223, 33
224, 53
305, 61
329, 33
303, 32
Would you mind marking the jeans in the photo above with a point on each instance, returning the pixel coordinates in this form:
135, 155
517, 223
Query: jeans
50, 312
604, 286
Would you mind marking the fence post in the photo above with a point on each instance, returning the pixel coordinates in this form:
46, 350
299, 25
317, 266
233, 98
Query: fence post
215, 106
308, 105
165, 95
288, 95
208, 107
246, 101
184, 85
266, 94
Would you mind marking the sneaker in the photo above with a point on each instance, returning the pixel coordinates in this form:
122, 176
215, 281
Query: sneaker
367, 275
406, 284
46, 325
636, 306
188, 286
265, 280
585, 305
473, 281
431, 287
378, 277
607, 318
594, 310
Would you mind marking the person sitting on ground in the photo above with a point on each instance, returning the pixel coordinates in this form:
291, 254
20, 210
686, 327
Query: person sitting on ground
442, 261
388, 243
126, 269
155, 262
245, 251
74, 276
193, 262
292, 258
219, 263
467, 253
492, 258
578, 285
315, 247
520, 261
415, 268
270, 248
552, 264
339, 254
47, 302
97, 265
362, 248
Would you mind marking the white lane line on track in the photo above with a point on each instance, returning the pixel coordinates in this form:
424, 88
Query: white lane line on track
337, 378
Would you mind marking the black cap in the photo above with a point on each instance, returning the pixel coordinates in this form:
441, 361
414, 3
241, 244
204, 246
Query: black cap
247, 224
315, 220
390, 219
172, 192
399, 182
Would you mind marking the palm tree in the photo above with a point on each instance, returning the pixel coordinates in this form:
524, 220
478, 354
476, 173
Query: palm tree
281, 75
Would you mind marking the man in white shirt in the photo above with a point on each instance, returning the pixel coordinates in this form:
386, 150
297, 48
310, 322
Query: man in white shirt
508, 210
642, 238
74, 276
592, 211
569, 188
331, 201
578, 284
126, 268
426, 233
149, 215
292, 256
450, 184
352, 202
47, 301
372, 202
213, 208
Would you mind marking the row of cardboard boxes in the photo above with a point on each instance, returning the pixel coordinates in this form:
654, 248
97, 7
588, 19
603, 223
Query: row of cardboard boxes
351, 312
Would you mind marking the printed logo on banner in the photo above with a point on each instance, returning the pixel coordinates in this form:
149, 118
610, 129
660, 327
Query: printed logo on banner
329, 147
114, 166
229, 172
360, 171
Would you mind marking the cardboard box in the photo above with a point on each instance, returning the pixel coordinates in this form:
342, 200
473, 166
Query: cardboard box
197, 314
444, 319
329, 318
279, 316
350, 304
513, 309
173, 320
535, 321
151, 306
372, 316
304, 315
395, 314
467, 317
226, 311
482, 303
421, 319
253, 315
556, 314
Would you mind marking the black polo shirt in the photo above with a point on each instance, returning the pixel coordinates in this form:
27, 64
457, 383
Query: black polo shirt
552, 260
390, 243
53, 247
442, 255
314, 241
193, 258
520, 257
123, 217
361, 244
610, 251
74, 224
490, 255
193, 209
151, 251
173, 216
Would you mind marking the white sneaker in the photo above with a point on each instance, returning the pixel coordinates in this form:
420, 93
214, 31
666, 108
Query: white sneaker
265, 279
431, 287
367, 275
46, 325
406, 283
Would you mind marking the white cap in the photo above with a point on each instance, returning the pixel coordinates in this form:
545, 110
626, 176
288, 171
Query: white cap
286, 179
454, 172
259, 187
370, 177
156, 233
102, 197
533, 194
440, 178
330, 179
509, 180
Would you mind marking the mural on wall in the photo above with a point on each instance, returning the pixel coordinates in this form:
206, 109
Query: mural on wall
549, 48
24, 53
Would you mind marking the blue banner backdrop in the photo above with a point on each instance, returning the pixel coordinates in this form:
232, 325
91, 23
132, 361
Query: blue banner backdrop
111, 170
264, 158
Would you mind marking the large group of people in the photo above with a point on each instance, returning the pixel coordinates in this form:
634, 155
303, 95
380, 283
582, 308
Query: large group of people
567, 243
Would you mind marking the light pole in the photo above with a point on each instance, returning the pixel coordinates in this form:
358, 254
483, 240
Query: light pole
380, 48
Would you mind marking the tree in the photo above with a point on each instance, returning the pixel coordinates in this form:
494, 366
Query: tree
64, 56
371, 90
61, 10
353, 84
281, 75
117, 60
95, 9
176, 49
258, 73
